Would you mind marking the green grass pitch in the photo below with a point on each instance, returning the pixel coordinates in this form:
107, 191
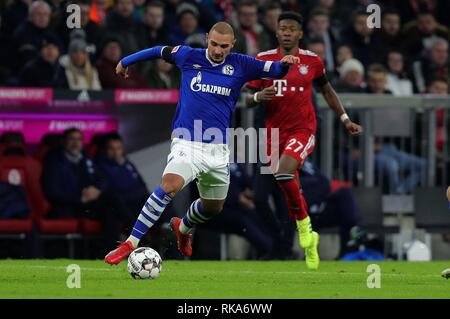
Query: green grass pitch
231, 279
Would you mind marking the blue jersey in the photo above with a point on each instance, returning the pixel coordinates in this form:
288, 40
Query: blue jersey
209, 91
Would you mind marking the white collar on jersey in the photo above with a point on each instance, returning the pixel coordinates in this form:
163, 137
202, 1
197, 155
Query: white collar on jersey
211, 61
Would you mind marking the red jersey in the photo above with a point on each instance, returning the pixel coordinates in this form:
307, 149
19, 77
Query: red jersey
291, 110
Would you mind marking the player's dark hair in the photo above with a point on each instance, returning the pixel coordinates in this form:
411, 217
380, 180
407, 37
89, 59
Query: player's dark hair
70, 131
291, 15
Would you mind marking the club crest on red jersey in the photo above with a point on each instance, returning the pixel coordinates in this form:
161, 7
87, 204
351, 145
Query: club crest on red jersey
303, 69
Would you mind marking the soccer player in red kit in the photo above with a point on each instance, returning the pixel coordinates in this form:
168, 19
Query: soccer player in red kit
289, 108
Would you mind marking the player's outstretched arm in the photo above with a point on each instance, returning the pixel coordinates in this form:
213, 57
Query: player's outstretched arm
281, 68
257, 69
335, 104
158, 52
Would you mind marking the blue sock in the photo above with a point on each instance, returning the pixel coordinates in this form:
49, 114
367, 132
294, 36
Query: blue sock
150, 213
195, 215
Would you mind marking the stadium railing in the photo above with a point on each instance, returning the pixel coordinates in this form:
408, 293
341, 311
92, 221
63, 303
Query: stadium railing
409, 123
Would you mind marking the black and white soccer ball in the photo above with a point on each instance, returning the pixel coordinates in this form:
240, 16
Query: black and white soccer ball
144, 263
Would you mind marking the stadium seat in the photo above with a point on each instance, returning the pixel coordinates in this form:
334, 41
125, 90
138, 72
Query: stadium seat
89, 226
369, 201
30, 171
335, 186
12, 143
17, 170
12, 137
431, 210
90, 229
59, 228
15, 228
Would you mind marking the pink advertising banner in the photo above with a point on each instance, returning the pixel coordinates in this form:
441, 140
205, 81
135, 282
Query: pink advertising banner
146, 96
25, 95
35, 126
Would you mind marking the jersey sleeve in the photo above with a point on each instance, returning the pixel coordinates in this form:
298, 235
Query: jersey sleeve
319, 68
255, 84
256, 69
177, 55
320, 73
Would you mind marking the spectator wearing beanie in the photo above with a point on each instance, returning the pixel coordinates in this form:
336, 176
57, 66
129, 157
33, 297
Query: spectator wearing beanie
351, 77
80, 73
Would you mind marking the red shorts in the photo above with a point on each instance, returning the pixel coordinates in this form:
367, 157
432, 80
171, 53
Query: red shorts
298, 145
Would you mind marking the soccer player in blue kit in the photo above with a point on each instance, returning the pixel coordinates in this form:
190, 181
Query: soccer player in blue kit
211, 84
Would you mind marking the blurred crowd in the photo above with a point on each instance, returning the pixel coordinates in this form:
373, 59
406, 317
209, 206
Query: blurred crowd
405, 55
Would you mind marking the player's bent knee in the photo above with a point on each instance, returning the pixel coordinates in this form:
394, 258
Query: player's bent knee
172, 184
170, 189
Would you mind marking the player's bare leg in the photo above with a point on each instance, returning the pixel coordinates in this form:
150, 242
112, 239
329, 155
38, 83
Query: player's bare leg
200, 211
171, 184
297, 208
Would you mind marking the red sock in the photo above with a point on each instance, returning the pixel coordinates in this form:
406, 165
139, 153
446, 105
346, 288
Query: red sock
297, 207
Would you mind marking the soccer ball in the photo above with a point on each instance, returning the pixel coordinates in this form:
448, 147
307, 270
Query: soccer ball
144, 263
